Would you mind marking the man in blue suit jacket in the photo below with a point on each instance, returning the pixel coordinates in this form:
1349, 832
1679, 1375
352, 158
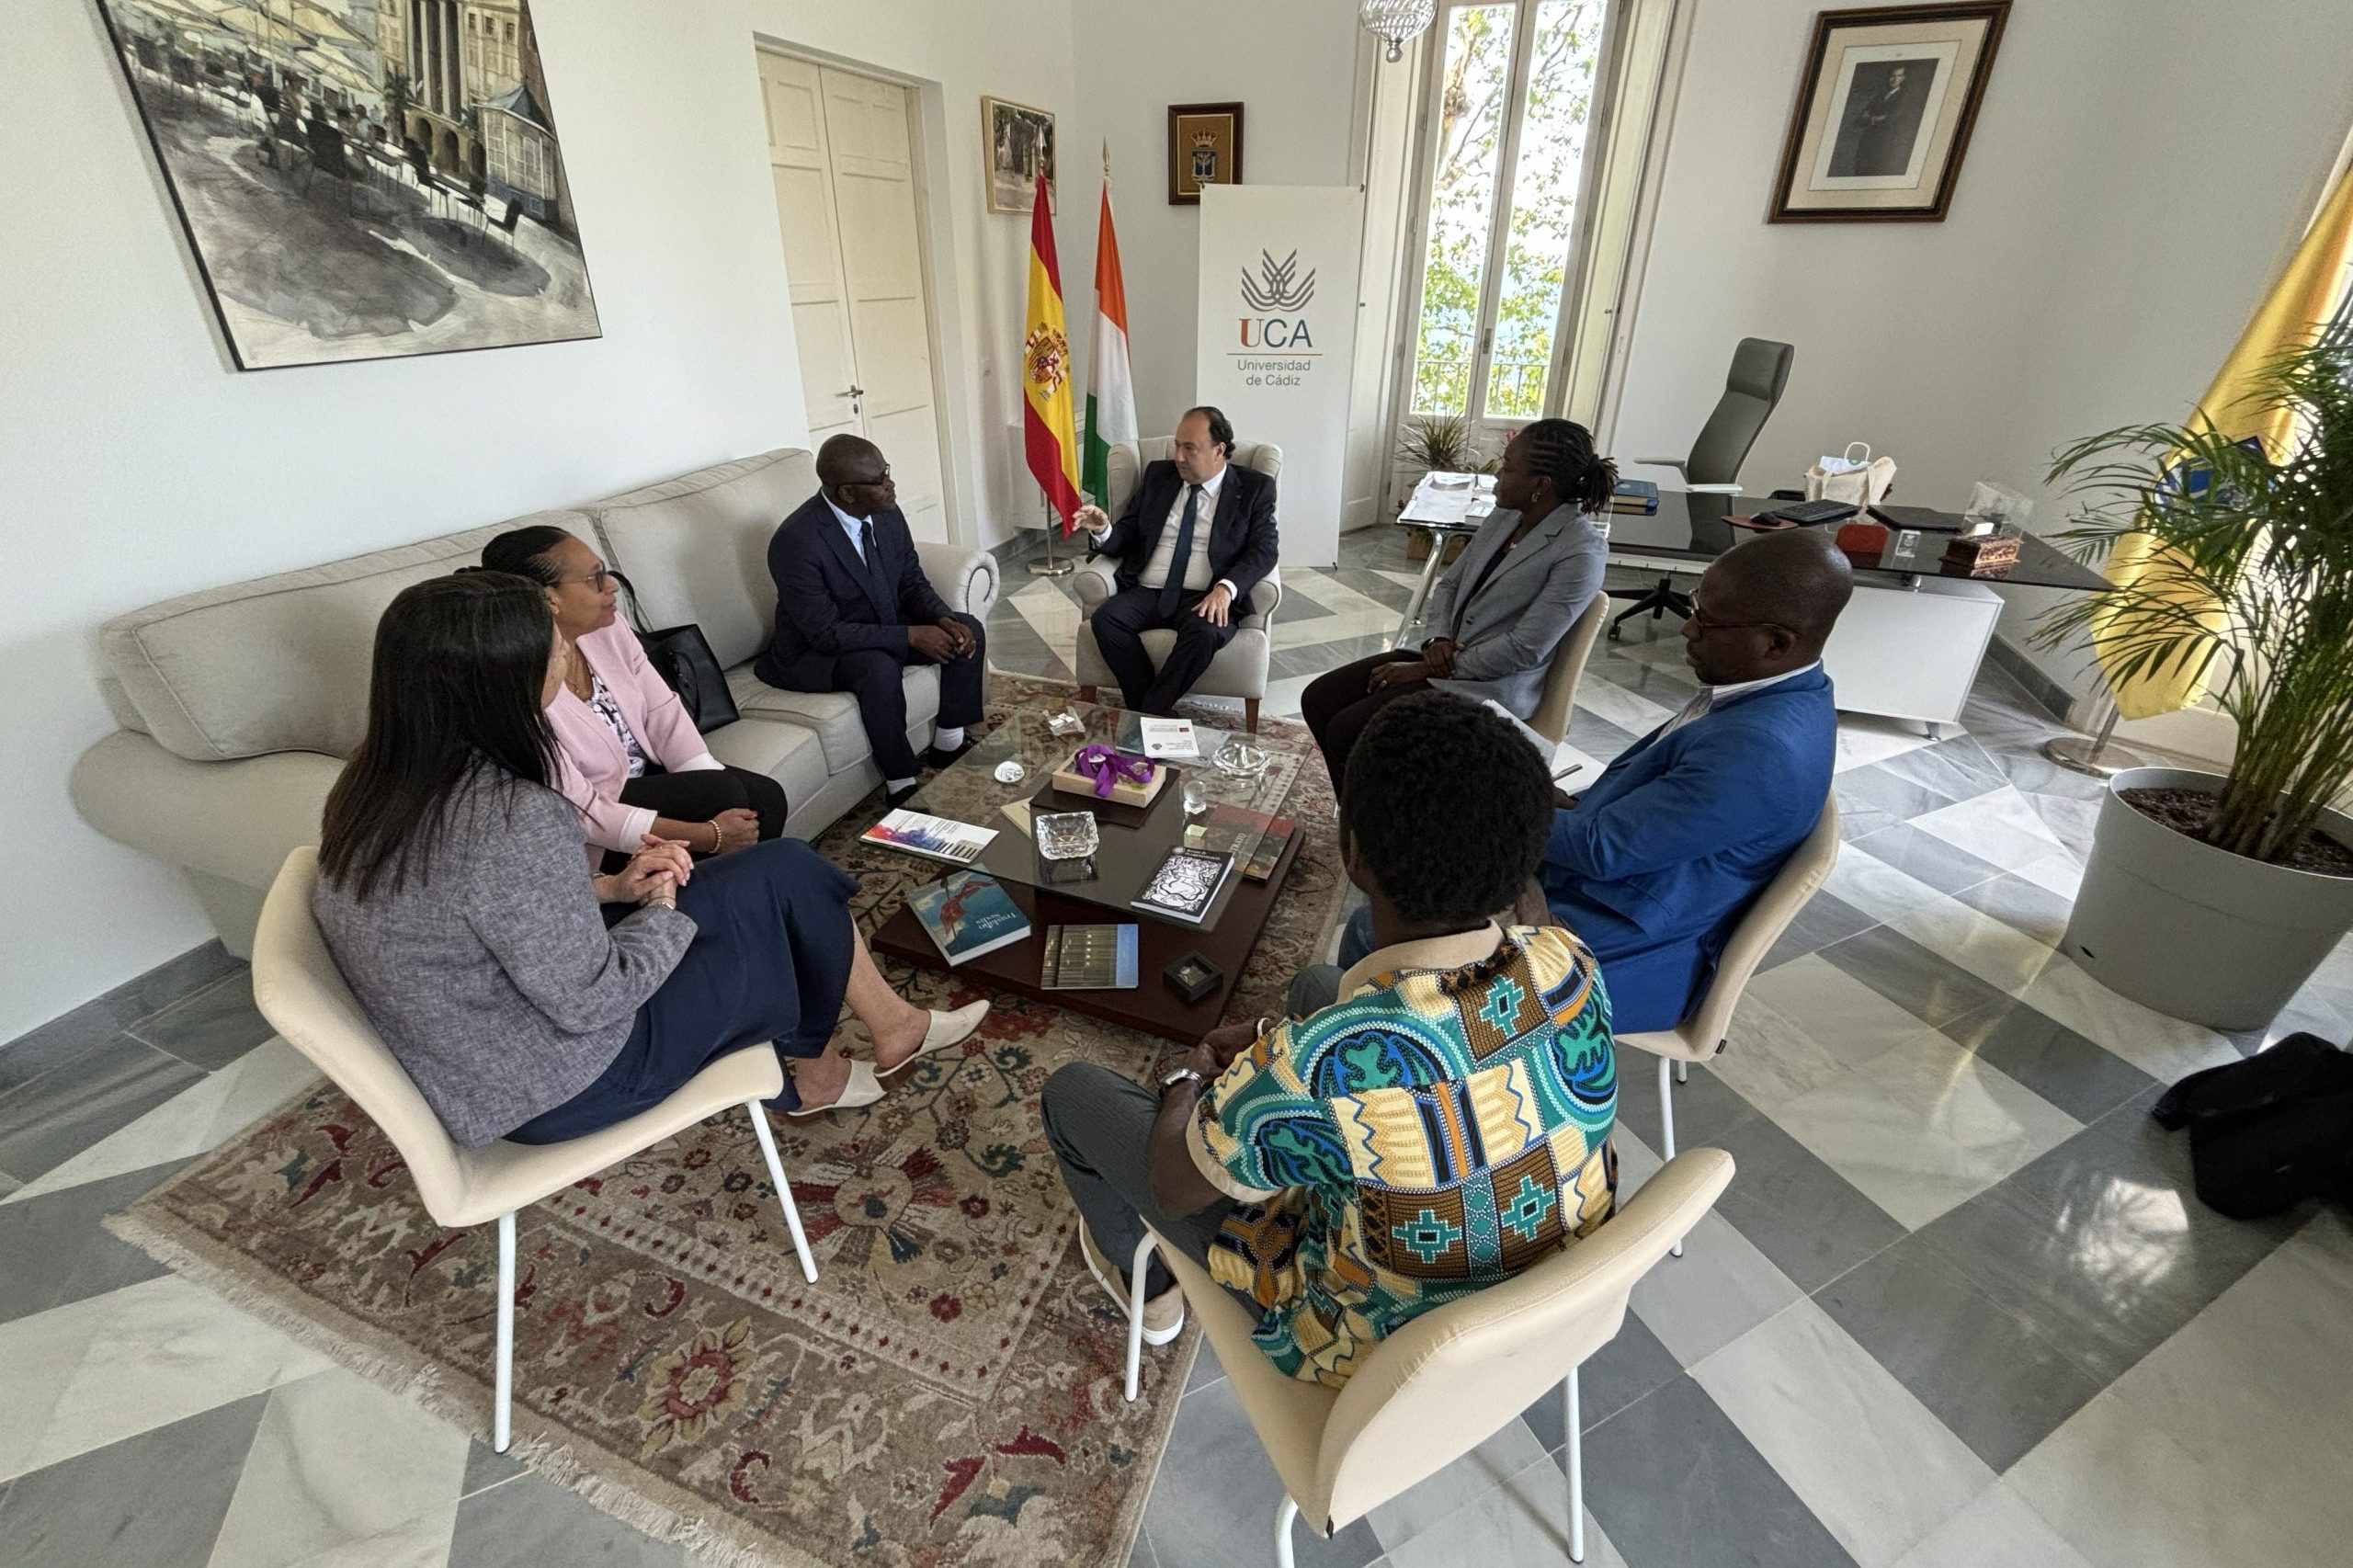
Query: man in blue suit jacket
853, 609
1654, 863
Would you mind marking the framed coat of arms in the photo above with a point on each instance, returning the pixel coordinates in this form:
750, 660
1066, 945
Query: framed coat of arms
1204, 148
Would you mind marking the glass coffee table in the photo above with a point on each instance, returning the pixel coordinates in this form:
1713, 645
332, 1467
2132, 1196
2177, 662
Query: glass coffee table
1133, 842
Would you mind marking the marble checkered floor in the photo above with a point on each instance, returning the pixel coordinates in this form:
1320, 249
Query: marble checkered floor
1959, 1306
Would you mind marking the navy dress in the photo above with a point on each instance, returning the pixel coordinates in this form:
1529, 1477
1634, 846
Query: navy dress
769, 961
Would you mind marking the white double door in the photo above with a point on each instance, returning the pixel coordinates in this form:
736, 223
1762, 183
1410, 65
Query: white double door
846, 191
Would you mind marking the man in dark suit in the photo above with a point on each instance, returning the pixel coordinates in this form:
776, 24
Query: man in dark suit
1196, 537
853, 608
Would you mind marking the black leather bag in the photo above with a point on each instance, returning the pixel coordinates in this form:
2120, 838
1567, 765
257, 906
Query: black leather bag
683, 657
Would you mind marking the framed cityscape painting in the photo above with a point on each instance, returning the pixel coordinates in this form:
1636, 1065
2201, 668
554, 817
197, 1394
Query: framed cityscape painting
1204, 148
1018, 142
1884, 111
361, 179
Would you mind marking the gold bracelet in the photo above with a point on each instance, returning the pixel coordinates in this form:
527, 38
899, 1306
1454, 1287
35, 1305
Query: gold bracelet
718, 840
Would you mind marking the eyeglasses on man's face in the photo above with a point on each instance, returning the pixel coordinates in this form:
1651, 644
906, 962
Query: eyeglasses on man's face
1702, 623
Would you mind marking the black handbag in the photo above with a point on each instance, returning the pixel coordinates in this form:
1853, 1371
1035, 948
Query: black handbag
683, 657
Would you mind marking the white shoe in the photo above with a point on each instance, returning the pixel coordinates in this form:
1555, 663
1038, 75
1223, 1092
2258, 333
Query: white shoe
1163, 1315
862, 1090
944, 1031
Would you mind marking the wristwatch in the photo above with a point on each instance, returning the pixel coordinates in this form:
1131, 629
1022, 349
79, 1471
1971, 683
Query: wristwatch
1180, 1076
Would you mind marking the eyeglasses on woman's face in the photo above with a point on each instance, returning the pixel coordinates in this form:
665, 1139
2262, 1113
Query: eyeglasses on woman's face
600, 579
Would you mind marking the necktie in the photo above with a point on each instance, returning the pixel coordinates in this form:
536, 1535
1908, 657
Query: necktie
873, 558
1172, 590
1701, 701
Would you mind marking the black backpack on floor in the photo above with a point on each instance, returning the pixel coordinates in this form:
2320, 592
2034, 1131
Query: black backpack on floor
2268, 1132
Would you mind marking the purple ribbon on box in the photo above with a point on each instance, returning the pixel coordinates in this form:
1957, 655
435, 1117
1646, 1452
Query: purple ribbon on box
1107, 767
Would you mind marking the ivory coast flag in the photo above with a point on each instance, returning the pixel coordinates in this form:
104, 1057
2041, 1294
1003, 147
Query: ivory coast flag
1047, 437
2299, 307
1110, 390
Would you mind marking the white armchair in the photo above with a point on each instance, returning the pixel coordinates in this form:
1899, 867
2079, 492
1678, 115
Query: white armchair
1241, 667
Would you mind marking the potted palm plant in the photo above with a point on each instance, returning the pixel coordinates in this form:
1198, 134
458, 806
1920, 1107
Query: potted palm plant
2213, 897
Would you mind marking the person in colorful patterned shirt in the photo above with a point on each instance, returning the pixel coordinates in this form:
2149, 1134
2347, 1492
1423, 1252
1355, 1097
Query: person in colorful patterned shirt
1442, 1126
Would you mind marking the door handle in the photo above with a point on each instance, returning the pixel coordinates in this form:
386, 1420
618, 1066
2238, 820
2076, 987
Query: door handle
854, 393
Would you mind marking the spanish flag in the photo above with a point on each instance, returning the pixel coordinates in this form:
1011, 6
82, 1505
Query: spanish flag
1048, 436
2298, 309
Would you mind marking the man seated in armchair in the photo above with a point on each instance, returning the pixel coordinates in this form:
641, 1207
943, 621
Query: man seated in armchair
1196, 537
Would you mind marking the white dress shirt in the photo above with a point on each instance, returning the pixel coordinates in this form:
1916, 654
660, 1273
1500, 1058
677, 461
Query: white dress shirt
854, 527
1710, 697
1195, 578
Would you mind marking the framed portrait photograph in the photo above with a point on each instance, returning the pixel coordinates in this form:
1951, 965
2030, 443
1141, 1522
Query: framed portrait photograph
1018, 142
1204, 148
1884, 111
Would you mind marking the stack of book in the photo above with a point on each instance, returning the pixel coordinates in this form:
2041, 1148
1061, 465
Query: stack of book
1634, 497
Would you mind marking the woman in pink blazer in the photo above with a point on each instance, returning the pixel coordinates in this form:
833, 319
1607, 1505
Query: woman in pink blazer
628, 753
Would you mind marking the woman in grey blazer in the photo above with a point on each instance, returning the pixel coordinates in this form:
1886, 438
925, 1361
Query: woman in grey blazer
1502, 606
455, 894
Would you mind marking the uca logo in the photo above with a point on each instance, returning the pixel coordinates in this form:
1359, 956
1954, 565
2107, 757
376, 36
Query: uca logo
1277, 296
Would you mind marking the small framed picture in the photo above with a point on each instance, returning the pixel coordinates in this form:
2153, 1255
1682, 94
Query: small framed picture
1884, 111
1018, 142
1204, 148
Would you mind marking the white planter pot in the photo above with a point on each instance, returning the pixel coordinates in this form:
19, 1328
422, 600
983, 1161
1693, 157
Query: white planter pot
2194, 931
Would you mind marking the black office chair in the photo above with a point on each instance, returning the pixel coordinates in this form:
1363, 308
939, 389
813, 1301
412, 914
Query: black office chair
1760, 368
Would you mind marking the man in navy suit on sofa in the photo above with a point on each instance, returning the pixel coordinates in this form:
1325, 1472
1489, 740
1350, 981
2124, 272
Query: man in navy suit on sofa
1654, 863
853, 609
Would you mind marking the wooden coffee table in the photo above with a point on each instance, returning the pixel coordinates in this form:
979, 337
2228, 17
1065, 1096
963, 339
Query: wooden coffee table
1132, 844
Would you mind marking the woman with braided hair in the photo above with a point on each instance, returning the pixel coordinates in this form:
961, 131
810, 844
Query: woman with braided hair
1503, 607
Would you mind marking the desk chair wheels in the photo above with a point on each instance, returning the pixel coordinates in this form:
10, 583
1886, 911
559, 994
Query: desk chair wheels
1657, 601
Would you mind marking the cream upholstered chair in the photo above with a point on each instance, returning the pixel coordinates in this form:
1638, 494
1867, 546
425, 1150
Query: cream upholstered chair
1240, 668
300, 991
1452, 1378
1703, 1034
1551, 718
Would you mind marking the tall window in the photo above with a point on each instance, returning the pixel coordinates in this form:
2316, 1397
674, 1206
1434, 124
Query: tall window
1513, 94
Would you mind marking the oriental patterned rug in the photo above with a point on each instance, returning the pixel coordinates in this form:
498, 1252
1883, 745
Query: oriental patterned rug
946, 1394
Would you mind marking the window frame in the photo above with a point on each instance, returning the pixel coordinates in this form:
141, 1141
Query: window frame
1585, 275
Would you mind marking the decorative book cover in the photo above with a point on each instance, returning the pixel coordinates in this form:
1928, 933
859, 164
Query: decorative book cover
1227, 826
1186, 884
1090, 957
920, 833
967, 914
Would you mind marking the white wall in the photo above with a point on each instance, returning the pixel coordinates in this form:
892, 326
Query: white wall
953, 53
2138, 173
139, 465
1292, 66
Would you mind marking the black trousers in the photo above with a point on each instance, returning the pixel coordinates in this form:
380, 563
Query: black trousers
877, 680
702, 795
1120, 624
1338, 703
769, 961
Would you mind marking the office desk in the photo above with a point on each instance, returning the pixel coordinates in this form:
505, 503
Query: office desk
1910, 641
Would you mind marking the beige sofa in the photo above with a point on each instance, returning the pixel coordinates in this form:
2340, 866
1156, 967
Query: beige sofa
239, 704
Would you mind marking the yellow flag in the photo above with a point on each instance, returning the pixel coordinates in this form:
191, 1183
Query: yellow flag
2299, 305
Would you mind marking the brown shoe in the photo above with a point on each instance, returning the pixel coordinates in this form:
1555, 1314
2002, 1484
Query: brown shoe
1163, 1315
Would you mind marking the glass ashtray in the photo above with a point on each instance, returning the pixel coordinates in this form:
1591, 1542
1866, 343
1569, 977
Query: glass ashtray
1240, 758
1066, 835
1063, 721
